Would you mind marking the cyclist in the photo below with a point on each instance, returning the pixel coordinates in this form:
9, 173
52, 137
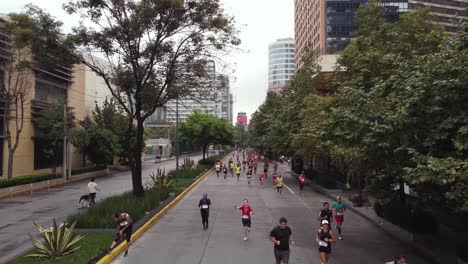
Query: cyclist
324, 238
339, 207
218, 168
238, 171
279, 185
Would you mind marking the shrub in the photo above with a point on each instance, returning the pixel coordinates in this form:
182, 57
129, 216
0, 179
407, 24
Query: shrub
408, 216
159, 181
28, 179
87, 169
58, 241
101, 215
192, 173
210, 161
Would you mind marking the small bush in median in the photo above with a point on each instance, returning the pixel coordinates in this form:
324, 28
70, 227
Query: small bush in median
58, 241
159, 181
101, 215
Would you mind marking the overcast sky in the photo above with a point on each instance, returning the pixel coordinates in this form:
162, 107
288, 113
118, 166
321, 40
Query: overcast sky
260, 21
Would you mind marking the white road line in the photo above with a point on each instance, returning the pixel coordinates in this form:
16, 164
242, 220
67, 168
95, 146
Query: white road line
289, 189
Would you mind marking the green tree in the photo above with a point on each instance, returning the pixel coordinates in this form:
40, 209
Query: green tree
160, 47
240, 136
204, 129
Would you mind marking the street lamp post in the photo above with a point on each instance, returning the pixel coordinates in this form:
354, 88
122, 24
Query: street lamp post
177, 137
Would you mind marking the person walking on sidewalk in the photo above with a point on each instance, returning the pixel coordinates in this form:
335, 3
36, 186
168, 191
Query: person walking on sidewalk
92, 189
124, 229
204, 206
281, 236
339, 207
398, 260
302, 180
247, 212
324, 239
279, 185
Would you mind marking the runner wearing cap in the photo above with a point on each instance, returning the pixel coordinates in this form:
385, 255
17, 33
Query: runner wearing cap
324, 238
204, 206
247, 212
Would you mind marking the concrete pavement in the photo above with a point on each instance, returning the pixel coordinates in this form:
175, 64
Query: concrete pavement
18, 214
178, 238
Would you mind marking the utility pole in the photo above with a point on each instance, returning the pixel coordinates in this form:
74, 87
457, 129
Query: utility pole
65, 152
177, 137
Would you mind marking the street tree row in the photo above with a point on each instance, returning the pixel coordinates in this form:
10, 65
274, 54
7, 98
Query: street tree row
395, 110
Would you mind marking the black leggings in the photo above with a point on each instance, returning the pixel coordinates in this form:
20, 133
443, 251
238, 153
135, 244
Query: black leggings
204, 215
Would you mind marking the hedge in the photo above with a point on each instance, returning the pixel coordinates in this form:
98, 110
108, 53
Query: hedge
28, 179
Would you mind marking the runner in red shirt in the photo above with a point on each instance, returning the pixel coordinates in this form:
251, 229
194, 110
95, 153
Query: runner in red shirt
262, 178
247, 212
302, 180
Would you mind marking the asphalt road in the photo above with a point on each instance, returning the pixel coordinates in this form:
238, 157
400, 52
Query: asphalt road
178, 237
17, 215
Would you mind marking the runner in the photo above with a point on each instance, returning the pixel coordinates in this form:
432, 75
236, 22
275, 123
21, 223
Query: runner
324, 239
243, 164
225, 171
273, 178
238, 171
255, 167
218, 168
339, 207
279, 185
326, 214
247, 213
398, 260
204, 206
265, 168
275, 167
231, 168
262, 178
281, 236
124, 226
249, 177
302, 180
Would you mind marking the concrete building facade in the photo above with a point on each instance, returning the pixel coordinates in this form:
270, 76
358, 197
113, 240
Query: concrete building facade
242, 118
448, 13
280, 63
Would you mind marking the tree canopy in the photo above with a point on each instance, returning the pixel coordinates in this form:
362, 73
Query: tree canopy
203, 129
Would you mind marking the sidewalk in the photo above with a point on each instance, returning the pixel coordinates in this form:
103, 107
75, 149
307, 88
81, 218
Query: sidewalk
13, 191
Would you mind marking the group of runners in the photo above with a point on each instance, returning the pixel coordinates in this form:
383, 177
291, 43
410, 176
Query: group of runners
281, 236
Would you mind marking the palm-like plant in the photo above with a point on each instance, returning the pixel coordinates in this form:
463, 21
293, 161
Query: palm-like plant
159, 180
188, 165
58, 241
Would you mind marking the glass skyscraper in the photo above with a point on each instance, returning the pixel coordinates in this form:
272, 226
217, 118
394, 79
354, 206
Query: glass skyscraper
280, 63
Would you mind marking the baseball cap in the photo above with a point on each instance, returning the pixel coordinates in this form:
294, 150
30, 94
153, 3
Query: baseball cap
324, 222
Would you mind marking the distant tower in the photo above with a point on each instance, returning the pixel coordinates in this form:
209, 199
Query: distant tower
242, 118
280, 63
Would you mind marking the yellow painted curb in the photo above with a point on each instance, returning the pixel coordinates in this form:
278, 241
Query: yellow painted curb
121, 247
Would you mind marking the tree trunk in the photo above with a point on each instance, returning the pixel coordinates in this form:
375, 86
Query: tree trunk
205, 146
137, 168
84, 159
10, 164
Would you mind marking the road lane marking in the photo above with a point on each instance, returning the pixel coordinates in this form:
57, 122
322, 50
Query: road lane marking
289, 189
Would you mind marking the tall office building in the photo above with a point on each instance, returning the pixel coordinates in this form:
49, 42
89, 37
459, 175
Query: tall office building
242, 118
201, 100
448, 13
326, 26
280, 63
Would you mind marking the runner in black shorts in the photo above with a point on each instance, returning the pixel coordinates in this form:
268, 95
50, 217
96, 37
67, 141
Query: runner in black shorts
125, 228
324, 239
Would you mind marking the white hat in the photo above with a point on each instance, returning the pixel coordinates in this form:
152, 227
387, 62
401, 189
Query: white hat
324, 222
